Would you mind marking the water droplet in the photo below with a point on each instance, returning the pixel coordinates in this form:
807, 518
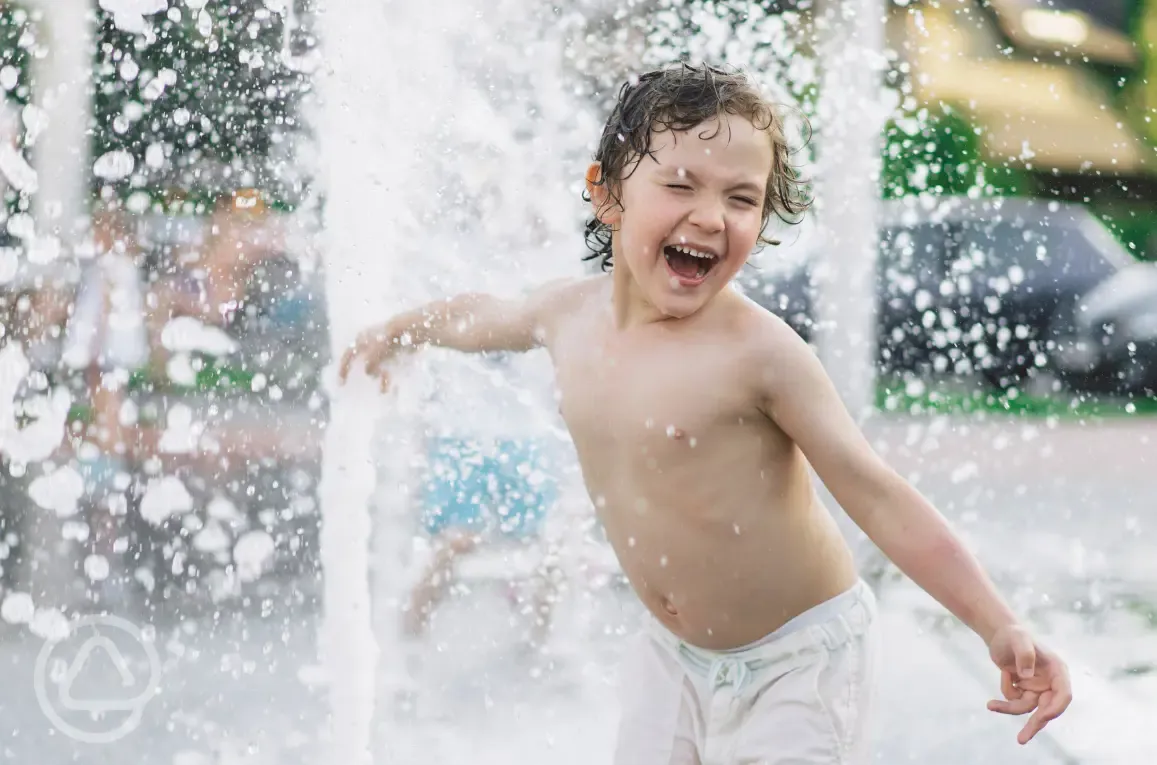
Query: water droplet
693, 442
736, 527
663, 561
96, 567
630, 541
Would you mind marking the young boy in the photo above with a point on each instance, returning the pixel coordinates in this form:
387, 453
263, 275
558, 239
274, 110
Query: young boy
695, 415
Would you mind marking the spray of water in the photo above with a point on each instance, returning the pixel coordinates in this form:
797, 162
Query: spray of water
446, 144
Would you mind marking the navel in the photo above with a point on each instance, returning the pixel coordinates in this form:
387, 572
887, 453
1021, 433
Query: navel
679, 434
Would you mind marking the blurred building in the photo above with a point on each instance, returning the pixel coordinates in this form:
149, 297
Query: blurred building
1053, 93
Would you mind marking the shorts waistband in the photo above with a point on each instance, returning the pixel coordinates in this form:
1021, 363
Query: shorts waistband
813, 617
829, 625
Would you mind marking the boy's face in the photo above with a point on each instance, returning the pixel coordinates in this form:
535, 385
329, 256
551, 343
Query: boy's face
692, 214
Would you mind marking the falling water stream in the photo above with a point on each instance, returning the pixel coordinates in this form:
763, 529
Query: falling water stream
444, 141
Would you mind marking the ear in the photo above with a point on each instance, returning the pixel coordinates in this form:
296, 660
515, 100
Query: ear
606, 208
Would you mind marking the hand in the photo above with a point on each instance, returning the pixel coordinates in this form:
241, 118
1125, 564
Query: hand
374, 347
1031, 678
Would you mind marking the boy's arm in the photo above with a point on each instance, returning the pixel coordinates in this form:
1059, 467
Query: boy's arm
800, 398
797, 394
471, 323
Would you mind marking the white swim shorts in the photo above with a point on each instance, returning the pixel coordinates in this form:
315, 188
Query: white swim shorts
799, 696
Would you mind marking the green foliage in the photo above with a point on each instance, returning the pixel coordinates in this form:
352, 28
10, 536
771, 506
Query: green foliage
212, 376
16, 45
940, 398
1132, 222
205, 102
939, 154
16, 41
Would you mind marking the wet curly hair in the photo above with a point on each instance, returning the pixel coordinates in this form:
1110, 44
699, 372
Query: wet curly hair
677, 98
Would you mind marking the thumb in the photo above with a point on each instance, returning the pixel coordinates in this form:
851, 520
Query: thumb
1025, 654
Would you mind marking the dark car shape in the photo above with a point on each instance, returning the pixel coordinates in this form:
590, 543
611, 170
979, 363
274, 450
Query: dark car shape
966, 286
1115, 337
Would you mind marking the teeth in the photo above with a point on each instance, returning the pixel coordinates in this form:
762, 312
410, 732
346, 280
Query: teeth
693, 253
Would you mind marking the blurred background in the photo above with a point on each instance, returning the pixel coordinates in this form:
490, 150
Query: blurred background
202, 199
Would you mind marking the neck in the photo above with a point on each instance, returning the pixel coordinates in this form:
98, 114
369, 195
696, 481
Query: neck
628, 305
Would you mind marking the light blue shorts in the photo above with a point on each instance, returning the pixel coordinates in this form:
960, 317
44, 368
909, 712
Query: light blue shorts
489, 487
100, 474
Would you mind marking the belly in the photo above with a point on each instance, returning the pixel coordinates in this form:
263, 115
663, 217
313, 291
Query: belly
727, 576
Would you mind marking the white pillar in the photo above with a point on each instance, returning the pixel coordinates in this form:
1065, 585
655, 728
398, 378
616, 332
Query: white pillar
851, 41
361, 197
62, 90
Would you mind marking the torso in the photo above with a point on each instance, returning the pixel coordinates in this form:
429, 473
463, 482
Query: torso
707, 503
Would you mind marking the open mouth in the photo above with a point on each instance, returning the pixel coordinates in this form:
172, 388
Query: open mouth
688, 263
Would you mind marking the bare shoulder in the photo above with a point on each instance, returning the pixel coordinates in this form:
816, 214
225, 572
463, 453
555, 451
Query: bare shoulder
563, 296
773, 354
568, 289
760, 331
560, 299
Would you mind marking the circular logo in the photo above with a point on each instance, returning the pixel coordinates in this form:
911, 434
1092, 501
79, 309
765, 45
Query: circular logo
93, 685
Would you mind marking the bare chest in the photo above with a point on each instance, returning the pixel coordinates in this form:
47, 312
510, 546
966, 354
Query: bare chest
659, 402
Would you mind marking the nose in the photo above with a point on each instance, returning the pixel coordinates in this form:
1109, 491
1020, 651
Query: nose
707, 215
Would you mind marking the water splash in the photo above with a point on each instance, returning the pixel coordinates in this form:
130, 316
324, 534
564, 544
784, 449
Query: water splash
446, 141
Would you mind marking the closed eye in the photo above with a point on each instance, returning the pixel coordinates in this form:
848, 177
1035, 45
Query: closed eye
681, 186
745, 200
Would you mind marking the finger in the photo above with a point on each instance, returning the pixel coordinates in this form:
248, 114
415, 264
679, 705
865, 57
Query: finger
1009, 690
1038, 720
1025, 654
344, 368
374, 361
1054, 703
1037, 684
1062, 696
1061, 685
1020, 706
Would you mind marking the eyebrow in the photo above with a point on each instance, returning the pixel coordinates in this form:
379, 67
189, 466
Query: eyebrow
741, 186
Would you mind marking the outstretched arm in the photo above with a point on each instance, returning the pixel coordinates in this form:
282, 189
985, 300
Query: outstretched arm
800, 398
471, 323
